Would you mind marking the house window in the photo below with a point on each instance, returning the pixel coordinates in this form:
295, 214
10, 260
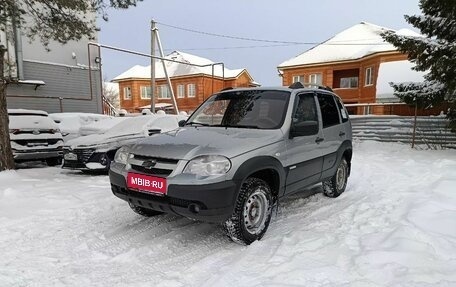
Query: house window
191, 90
369, 77
315, 79
163, 92
348, 83
145, 92
299, 79
180, 91
127, 93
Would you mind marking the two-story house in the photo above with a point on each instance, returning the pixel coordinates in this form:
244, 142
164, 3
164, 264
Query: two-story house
192, 83
358, 65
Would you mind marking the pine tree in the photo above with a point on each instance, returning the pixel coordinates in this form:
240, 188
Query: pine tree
47, 20
434, 53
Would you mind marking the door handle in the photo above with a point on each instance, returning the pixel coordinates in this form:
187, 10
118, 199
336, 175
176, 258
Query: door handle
319, 140
341, 134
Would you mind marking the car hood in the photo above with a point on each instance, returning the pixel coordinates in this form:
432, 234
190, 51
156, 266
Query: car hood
189, 142
95, 140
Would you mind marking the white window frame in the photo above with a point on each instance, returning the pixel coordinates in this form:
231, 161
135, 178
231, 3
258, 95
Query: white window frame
180, 91
191, 90
369, 76
127, 93
163, 92
299, 79
350, 83
145, 93
314, 77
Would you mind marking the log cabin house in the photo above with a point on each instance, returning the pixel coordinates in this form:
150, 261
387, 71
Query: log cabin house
358, 65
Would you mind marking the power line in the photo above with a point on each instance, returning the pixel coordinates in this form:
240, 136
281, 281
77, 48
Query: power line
284, 43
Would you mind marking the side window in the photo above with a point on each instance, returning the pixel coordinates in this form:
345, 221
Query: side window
329, 110
343, 111
305, 113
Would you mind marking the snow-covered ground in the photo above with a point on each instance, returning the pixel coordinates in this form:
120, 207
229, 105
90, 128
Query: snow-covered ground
394, 226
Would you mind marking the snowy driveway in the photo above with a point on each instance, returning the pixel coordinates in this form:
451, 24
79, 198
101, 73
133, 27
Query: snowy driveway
394, 226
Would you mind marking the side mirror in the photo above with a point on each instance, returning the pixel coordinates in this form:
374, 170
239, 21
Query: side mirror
306, 128
181, 123
57, 121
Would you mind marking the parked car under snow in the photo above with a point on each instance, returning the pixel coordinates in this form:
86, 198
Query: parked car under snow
96, 151
34, 136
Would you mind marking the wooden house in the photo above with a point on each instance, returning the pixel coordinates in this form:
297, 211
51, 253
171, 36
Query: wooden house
358, 65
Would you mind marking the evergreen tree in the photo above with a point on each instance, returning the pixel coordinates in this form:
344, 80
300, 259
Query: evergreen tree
46, 20
434, 53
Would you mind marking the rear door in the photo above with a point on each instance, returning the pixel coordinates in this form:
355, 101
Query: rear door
333, 132
304, 156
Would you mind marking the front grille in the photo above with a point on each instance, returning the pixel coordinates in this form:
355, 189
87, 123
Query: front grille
82, 154
155, 166
152, 171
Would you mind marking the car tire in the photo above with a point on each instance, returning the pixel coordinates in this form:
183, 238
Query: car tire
53, 161
252, 212
144, 211
336, 185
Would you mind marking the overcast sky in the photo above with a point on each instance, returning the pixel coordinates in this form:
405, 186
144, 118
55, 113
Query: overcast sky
285, 20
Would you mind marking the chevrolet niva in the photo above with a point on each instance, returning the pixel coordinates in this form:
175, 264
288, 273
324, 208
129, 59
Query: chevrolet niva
237, 155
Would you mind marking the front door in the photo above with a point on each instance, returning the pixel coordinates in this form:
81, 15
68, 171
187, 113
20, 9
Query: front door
304, 158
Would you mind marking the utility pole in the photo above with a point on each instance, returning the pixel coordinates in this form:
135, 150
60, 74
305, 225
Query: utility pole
152, 65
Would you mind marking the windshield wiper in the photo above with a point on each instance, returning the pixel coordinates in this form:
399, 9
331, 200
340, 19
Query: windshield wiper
238, 126
196, 123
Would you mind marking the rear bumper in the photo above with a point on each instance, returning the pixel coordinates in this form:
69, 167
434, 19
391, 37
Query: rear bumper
30, 155
209, 202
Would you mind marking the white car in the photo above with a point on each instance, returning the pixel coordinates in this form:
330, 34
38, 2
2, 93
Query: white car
96, 151
34, 136
71, 124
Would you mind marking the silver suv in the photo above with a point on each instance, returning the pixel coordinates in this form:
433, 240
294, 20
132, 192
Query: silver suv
237, 155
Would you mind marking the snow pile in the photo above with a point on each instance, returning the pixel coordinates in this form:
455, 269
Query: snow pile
394, 226
71, 123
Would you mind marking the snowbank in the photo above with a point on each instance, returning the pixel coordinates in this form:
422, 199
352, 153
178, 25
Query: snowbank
394, 226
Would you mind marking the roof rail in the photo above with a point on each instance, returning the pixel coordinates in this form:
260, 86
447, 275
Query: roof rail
299, 85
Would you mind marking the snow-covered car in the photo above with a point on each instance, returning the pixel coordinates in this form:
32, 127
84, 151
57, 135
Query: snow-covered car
96, 151
70, 124
34, 136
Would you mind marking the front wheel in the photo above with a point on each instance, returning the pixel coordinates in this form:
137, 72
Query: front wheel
335, 186
252, 212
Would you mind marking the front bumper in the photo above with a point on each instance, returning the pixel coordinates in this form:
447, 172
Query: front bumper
209, 202
86, 160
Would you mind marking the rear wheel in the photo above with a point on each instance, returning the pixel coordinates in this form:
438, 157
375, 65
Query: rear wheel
252, 212
335, 186
144, 211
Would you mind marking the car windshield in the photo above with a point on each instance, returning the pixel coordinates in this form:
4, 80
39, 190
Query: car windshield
133, 125
255, 109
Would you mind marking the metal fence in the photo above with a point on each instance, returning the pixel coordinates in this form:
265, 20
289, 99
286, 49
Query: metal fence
431, 132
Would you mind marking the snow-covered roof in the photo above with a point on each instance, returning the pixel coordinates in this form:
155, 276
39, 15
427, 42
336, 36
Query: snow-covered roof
27, 112
179, 69
398, 71
356, 42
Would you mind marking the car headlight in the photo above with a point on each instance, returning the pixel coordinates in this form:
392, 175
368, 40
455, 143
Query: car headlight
208, 165
122, 155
